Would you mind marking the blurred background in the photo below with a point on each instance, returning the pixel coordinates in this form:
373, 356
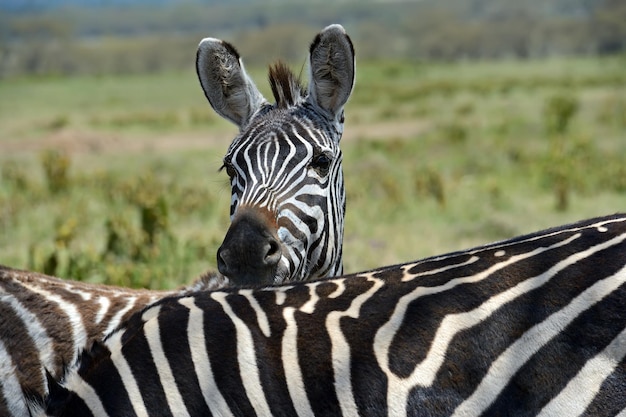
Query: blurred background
471, 121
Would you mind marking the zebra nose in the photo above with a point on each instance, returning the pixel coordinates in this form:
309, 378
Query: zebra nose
267, 255
250, 252
272, 253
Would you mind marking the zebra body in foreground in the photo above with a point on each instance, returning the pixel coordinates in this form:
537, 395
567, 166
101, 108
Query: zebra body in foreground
532, 326
288, 199
46, 321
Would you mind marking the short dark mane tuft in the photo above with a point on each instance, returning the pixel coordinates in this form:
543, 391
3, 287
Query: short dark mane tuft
286, 87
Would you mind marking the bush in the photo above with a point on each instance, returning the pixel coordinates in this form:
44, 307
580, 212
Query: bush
56, 166
558, 112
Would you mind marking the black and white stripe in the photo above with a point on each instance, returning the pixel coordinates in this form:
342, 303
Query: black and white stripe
288, 197
533, 326
45, 322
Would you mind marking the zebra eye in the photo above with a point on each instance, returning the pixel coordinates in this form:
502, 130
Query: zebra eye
230, 170
321, 163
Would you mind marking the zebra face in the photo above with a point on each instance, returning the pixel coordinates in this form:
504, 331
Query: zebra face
288, 198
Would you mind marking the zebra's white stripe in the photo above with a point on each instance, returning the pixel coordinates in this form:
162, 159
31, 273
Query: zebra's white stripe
327, 241
86, 296
79, 333
117, 318
298, 224
506, 243
126, 374
264, 161
425, 372
87, 394
201, 363
35, 330
582, 389
294, 249
251, 180
286, 173
281, 296
260, 314
410, 277
313, 189
105, 303
260, 190
285, 189
503, 368
153, 336
274, 162
291, 366
259, 195
313, 211
90, 397
10, 386
545, 234
340, 349
341, 287
246, 356
309, 306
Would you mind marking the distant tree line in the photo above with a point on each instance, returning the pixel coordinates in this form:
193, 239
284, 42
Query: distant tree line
136, 38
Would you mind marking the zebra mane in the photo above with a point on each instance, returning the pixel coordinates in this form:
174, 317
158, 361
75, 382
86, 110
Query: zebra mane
286, 86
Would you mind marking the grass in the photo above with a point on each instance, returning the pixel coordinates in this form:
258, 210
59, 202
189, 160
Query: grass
114, 179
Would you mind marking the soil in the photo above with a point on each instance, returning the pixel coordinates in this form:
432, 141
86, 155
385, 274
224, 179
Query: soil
74, 141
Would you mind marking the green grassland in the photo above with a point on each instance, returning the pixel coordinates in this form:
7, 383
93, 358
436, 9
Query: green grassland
115, 178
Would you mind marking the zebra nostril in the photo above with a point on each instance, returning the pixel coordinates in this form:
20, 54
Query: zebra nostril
273, 254
222, 260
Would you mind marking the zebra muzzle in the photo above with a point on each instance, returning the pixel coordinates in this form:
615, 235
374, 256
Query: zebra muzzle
250, 252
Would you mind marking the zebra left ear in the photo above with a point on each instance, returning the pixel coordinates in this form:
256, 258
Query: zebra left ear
55, 401
35, 402
226, 85
331, 60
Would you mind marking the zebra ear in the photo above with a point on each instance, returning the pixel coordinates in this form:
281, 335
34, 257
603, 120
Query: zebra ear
35, 401
331, 60
226, 85
57, 397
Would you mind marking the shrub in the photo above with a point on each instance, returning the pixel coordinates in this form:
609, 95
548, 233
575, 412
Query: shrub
558, 112
56, 166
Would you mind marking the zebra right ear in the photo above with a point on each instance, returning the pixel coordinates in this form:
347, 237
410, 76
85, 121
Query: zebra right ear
331, 60
226, 85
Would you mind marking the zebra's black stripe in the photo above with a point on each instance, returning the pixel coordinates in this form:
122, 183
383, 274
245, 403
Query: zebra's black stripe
532, 326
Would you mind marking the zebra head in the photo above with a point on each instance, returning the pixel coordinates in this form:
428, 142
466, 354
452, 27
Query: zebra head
288, 198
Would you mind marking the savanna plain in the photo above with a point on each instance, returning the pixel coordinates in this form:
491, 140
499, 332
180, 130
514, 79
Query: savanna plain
116, 178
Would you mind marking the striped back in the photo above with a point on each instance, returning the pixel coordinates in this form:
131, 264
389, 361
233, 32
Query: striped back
533, 326
45, 322
288, 197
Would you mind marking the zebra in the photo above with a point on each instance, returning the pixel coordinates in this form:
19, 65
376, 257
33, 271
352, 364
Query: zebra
288, 197
45, 321
531, 326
